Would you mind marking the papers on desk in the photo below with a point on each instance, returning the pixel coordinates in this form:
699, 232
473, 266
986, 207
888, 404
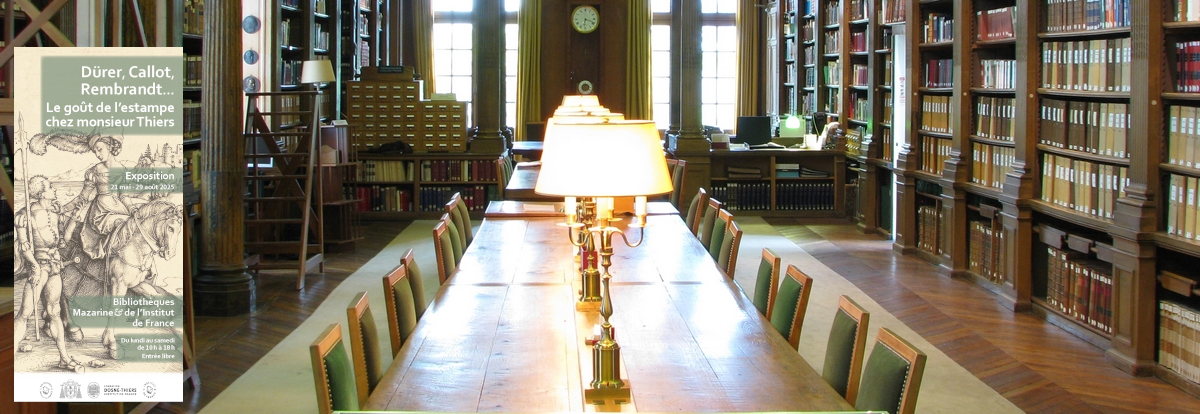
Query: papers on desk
529, 164
540, 208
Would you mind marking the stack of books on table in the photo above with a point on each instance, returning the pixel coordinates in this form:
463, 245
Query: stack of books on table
783, 170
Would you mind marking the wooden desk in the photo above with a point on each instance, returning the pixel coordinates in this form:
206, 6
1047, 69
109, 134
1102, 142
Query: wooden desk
530, 209
503, 333
520, 186
530, 150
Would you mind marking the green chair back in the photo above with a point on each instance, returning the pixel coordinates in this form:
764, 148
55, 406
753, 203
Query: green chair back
892, 378
459, 218
766, 282
708, 221
402, 313
456, 243
791, 302
443, 247
414, 281
844, 350
720, 226
333, 373
466, 228
731, 241
364, 341
695, 210
677, 170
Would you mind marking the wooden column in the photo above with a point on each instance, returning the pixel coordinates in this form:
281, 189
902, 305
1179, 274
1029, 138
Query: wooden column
906, 162
487, 82
1135, 222
222, 288
956, 170
689, 143
1016, 215
676, 80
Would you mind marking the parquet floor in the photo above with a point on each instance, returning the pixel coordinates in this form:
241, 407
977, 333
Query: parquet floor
1038, 366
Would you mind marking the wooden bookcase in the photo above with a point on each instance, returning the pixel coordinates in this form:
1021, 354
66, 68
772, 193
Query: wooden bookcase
359, 41
417, 186
780, 182
303, 30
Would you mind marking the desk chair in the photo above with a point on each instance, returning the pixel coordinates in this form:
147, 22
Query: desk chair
892, 377
504, 172
401, 309
845, 349
731, 241
444, 249
790, 304
767, 282
462, 218
414, 281
456, 243
364, 344
718, 232
333, 374
676, 168
708, 220
695, 211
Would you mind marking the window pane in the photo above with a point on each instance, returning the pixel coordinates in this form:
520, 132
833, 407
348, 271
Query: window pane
708, 90
443, 34
708, 114
726, 63
442, 65
451, 5
512, 5
660, 64
708, 6
444, 83
709, 62
727, 38
660, 6
726, 118
510, 62
462, 36
511, 37
662, 90
462, 62
708, 38
726, 90
662, 115
511, 114
726, 6
462, 87
510, 89
660, 37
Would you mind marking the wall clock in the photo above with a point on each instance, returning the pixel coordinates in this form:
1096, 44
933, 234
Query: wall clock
585, 19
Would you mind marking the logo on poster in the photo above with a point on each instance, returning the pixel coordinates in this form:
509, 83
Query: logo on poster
150, 390
93, 390
46, 390
70, 390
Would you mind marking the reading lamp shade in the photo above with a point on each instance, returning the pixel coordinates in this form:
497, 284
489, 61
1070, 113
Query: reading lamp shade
602, 159
316, 71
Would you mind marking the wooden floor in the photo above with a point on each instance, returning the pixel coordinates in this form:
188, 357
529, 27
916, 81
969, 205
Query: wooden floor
1039, 367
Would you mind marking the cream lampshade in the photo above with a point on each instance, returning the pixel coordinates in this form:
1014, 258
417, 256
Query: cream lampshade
594, 158
317, 71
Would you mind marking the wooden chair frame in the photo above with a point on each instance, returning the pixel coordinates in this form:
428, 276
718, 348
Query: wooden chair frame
464, 228
724, 217
676, 166
705, 234
801, 305
439, 229
862, 317
399, 273
916, 367
734, 246
417, 285
775, 262
354, 314
698, 215
318, 351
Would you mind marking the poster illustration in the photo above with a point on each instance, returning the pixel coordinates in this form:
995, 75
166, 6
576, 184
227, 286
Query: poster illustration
98, 224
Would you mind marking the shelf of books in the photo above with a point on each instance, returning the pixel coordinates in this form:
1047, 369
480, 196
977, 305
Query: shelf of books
411, 186
888, 15
192, 42
793, 183
811, 53
832, 85
790, 57
1178, 236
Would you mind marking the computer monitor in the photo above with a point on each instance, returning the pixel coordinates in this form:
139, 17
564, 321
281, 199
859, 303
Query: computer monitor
753, 130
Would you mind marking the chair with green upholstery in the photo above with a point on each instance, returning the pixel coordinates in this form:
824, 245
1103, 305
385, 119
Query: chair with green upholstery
790, 304
414, 281
695, 211
731, 241
845, 349
892, 378
333, 373
719, 227
364, 343
767, 282
401, 309
456, 243
504, 172
461, 215
443, 247
708, 221
676, 168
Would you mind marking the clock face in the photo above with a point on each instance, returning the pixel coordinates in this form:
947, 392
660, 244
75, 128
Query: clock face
585, 19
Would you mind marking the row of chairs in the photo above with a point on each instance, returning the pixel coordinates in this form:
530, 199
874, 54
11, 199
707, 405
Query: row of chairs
892, 378
714, 226
345, 379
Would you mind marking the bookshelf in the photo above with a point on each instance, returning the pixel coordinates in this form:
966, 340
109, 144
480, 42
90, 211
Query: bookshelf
417, 186
780, 183
791, 56
304, 30
360, 29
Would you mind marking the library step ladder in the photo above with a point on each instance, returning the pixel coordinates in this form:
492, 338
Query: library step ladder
283, 186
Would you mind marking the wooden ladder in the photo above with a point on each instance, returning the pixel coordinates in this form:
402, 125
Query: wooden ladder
283, 187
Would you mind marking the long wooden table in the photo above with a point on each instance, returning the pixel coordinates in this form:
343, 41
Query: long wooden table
503, 333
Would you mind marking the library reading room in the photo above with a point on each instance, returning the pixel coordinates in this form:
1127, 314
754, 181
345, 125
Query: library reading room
900, 206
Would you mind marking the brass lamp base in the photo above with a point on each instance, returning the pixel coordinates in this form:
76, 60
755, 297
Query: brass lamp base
604, 396
589, 292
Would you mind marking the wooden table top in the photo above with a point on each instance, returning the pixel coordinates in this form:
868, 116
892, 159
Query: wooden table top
532, 209
503, 333
528, 149
524, 178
